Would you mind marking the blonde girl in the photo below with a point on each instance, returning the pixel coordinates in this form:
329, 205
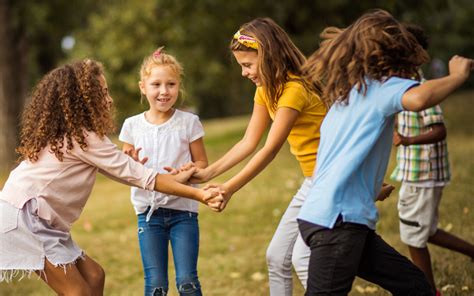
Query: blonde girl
170, 139
63, 144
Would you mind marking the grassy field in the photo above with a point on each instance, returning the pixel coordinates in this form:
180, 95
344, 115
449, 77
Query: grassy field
233, 243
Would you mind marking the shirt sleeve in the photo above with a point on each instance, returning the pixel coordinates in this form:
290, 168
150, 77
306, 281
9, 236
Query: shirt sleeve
115, 164
195, 129
433, 115
391, 93
126, 135
294, 96
259, 97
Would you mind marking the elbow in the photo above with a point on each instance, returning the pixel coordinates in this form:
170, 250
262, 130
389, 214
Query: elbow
418, 101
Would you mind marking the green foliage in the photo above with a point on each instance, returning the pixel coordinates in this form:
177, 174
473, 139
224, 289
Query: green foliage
121, 33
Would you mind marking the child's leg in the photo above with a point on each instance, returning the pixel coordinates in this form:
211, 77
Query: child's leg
70, 283
93, 273
447, 240
153, 237
184, 235
281, 252
422, 259
335, 256
384, 266
418, 212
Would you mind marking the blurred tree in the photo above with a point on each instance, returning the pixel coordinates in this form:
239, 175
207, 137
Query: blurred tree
121, 33
31, 34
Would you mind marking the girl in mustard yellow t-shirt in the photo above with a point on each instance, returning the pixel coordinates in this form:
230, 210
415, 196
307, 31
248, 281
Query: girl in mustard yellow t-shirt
270, 60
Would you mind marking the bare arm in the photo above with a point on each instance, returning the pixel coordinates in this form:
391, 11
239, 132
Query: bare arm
198, 153
259, 121
285, 119
432, 92
436, 134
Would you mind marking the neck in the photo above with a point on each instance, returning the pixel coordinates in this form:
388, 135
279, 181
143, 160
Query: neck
157, 117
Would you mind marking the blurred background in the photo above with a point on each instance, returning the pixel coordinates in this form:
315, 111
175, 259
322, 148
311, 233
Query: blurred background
36, 36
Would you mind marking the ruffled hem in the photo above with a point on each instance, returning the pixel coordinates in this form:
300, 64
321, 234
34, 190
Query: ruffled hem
8, 275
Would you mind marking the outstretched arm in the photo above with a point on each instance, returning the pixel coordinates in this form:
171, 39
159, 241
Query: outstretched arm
259, 122
432, 92
285, 119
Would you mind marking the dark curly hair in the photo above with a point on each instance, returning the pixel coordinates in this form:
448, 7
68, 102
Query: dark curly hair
67, 102
376, 46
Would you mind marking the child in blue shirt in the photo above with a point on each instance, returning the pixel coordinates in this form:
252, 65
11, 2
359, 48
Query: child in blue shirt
364, 72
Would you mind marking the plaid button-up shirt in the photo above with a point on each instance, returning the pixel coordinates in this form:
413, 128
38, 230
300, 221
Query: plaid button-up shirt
426, 162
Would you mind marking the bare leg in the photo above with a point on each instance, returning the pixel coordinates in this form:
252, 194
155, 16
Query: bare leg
447, 240
69, 283
93, 274
421, 258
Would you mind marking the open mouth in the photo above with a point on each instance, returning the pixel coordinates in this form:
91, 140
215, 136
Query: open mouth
163, 100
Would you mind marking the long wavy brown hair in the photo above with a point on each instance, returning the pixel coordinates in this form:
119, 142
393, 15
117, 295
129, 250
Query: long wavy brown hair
67, 101
277, 56
376, 46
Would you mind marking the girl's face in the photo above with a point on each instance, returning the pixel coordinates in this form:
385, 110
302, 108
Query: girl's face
248, 61
105, 90
161, 88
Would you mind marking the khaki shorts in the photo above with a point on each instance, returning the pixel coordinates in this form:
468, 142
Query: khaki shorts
418, 213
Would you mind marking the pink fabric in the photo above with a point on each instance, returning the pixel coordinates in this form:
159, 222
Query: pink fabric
62, 188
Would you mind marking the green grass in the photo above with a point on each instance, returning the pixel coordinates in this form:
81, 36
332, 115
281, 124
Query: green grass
233, 243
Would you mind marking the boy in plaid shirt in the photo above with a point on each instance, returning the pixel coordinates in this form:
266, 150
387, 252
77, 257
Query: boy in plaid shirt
423, 169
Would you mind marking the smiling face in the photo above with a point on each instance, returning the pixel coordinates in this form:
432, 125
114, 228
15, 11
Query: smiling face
161, 89
248, 61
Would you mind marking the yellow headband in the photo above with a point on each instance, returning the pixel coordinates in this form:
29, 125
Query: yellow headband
246, 40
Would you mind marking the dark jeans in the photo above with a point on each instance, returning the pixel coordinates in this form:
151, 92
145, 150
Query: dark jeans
181, 228
348, 250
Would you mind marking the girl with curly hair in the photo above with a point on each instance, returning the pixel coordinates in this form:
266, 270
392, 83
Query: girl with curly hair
63, 144
365, 73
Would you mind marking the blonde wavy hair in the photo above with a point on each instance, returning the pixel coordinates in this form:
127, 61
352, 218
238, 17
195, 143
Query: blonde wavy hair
160, 58
67, 101
376, 46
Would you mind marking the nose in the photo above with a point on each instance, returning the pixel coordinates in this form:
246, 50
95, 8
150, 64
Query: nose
245, 73
164, 89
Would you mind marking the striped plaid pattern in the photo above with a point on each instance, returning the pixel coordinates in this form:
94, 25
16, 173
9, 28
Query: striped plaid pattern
421, 162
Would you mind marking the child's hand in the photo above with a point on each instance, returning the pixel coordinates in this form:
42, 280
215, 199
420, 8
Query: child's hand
133, 153
183, 176
213, 198
385, 192
224, 191
400, 140
187, 166
200, 176
460, 66
171, 170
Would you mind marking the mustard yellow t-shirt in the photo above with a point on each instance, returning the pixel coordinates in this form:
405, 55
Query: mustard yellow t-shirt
304, 136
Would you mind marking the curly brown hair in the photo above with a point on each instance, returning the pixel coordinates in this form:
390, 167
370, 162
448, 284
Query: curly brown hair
67, 101
278, 56
376, 46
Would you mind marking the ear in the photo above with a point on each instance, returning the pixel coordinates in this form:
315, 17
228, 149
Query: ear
142, 87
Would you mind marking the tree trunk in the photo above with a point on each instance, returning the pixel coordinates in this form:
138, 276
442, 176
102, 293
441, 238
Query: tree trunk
13, 84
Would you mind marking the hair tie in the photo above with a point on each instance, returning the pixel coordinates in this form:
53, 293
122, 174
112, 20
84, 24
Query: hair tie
157, 53
246, 40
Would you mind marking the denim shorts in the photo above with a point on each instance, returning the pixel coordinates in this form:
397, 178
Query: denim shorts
27, 240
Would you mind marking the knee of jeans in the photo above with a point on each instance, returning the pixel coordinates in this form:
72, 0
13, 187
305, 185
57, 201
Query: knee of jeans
159, 291
189, 288
277, 260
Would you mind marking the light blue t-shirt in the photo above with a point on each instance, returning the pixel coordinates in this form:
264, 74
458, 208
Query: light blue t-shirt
353, 154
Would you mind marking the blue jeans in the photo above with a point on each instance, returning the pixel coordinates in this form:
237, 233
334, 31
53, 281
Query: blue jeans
181, 228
